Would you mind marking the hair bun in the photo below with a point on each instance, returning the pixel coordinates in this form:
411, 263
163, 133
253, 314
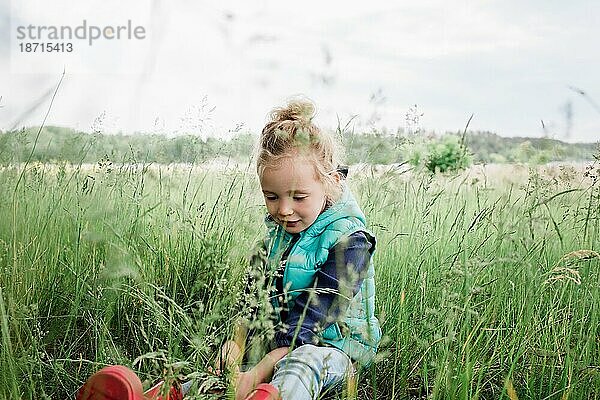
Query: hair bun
296, 110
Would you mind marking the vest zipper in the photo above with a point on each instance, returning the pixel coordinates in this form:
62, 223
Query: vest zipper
290, 247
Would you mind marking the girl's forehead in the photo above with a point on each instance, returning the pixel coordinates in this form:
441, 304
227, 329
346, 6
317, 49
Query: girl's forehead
297, 172
298, 165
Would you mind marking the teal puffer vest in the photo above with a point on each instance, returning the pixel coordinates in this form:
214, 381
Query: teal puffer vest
357, 333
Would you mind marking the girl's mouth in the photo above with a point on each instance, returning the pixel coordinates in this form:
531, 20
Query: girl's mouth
290, 223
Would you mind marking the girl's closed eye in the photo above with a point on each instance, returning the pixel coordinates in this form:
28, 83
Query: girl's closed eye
270, 197
300, 198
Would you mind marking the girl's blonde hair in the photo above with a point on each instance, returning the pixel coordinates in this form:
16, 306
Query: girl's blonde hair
290, 132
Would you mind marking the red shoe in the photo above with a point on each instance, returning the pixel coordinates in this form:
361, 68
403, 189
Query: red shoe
120, 383
112, 383
264, 391
155, 391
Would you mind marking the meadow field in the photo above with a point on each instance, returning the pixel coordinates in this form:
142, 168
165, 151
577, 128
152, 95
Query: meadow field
488, 281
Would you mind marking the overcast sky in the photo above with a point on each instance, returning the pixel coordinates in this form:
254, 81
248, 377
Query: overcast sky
209, 68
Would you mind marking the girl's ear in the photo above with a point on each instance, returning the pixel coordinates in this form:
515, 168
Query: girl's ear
336, 176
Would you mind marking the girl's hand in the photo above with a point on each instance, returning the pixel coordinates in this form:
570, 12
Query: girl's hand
215, 371
262, 372
229, 359
244, 384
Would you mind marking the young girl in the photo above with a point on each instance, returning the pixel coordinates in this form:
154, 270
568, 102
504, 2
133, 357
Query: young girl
317, 265
319, 257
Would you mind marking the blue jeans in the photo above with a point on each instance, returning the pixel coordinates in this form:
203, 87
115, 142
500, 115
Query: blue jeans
308, 369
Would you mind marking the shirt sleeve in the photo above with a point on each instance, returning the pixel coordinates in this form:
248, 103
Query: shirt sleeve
336, 282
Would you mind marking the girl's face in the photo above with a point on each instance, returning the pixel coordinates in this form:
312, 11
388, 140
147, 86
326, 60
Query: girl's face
293, 195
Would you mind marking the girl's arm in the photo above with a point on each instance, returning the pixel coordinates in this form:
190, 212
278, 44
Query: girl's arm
260, 373
232, 351
232, 354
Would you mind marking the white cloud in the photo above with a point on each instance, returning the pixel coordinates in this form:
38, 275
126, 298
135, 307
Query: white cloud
507, 62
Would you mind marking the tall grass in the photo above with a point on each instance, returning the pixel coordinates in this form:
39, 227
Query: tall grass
479, 289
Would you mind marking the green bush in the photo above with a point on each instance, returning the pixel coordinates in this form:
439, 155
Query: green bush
443, 154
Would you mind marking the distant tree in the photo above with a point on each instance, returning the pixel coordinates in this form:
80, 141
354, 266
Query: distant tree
65, 144
443, 154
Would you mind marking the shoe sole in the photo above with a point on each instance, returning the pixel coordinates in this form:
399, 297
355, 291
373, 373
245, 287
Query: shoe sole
112, 383
264, 391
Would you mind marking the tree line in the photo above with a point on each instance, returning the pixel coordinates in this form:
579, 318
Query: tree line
58, 144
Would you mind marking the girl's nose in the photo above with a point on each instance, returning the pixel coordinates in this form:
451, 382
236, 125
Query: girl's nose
285, 208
